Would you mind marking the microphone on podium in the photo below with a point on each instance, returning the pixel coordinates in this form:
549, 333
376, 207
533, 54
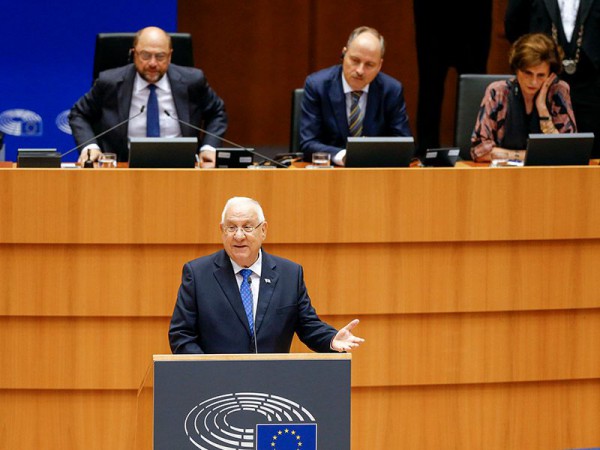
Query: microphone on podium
92, 139
249, 150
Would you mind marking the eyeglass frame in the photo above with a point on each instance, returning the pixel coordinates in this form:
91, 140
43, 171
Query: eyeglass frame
227, 229
147, 56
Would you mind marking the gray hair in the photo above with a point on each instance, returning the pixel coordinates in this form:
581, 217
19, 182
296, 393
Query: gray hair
241, 201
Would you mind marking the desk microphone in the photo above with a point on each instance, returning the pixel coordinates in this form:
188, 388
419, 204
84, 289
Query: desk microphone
249, 150
88, 164
83, 144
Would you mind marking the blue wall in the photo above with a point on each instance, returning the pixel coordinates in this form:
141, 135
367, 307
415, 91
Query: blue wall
46, 61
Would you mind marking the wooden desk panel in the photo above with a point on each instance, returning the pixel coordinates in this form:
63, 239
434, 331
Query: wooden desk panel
142, 280
531, 416
472, 299
401, 350
67, 420
303, 206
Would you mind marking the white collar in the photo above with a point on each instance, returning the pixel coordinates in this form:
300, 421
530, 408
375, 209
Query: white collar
347, 88
140, 83
255, 268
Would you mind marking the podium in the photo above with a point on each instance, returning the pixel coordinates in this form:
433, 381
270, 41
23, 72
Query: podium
245, 402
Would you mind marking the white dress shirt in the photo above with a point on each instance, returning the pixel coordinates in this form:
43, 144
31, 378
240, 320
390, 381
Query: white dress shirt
139, 97
568, 14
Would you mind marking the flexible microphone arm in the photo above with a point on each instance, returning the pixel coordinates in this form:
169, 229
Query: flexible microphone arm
249, 150
254, 338
83, 144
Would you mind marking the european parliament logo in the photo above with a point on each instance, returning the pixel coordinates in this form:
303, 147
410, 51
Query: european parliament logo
290, 436
62, 122
21, 122
250, 420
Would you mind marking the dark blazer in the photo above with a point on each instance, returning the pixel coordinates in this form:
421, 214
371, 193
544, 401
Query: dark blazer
324, 122
531, 16
109, 100
209, 316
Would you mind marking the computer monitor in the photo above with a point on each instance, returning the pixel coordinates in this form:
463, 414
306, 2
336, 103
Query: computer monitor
379, 151
441, 157
154, 153
233, 158
564, 149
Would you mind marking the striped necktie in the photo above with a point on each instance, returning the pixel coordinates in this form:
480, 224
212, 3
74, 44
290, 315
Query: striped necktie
356, 115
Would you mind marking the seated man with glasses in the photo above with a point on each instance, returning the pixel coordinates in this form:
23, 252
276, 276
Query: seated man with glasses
245, 300
156, 85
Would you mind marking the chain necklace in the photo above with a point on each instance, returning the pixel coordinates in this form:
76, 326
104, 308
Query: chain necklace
570, 65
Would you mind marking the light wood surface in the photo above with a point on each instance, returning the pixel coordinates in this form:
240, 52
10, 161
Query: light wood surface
253, 357
138, 206
435, 277
67, 419
522, 416
480, 309
404, 349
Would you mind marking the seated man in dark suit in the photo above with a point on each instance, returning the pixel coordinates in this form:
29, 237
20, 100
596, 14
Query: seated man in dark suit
352, 99
244, 300
157, 85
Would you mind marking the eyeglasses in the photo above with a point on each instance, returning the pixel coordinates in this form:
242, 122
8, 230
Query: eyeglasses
246, 229
147, 56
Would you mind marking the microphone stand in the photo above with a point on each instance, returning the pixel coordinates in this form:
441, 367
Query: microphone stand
194, 127
92, 139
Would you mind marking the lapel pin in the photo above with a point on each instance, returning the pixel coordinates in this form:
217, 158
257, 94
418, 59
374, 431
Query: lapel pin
268, 280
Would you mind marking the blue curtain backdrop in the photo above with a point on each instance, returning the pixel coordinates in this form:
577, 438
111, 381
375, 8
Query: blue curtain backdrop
46, 61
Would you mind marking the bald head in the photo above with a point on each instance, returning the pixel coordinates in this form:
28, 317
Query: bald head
152, 34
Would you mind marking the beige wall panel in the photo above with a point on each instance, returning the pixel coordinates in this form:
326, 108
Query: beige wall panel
142, 280
67, 420
302, 206
475, 348
531, 416
113, 353
83, 353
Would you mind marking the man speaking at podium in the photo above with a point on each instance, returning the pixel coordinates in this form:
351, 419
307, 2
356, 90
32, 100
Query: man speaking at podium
244, 300
142, 91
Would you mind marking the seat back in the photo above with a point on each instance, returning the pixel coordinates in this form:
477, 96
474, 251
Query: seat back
297, 95
471, 88
113, 50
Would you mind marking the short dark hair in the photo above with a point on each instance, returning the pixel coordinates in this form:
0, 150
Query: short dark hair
365, 29
533, 49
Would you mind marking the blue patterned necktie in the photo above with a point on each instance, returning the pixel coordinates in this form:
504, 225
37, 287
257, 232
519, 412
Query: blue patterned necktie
356, 116
152, 123
247, 299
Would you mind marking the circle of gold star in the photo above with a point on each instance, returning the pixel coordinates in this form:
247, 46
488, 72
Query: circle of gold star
286, 431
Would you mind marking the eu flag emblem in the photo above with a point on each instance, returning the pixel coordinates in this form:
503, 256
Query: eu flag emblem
286, 436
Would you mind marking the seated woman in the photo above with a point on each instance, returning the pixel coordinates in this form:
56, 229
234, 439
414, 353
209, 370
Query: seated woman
536, 101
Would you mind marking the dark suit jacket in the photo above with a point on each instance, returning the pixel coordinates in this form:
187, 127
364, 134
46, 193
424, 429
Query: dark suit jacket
324, 123
532, 16
209, 316
109, 100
